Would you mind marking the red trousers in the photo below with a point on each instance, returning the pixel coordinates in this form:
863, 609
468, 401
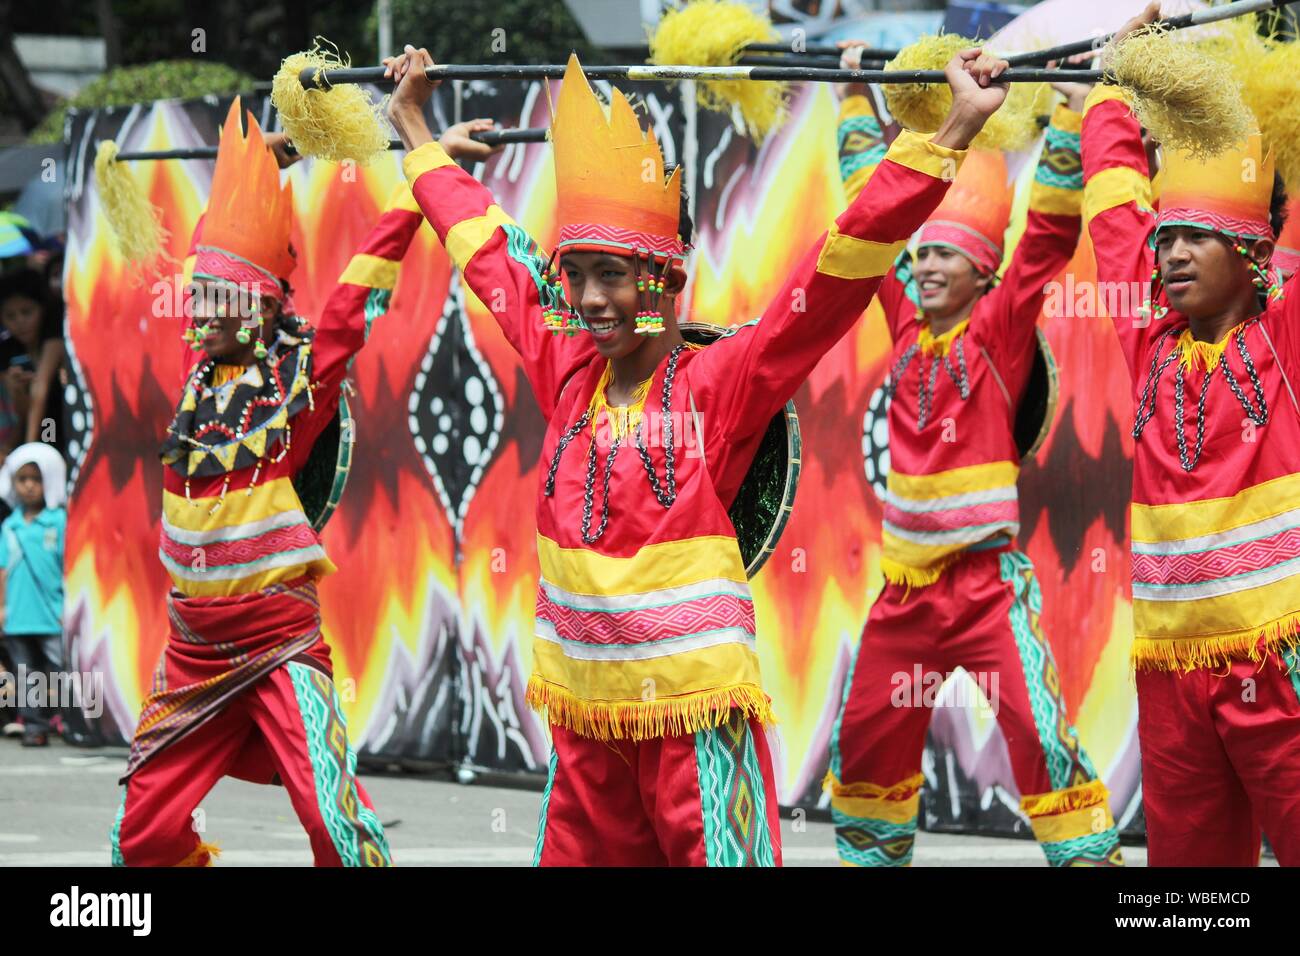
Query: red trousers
1220, 762
286, 728
982, 615
702, 799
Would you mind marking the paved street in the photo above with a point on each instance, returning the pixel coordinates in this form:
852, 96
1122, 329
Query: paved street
57, 806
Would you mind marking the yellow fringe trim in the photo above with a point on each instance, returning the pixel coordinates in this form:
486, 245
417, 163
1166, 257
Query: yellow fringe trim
1084, 795
622, 419
904, 574
903, 790
205, 852
939, 345
1206, 355
646, 719
1187, 654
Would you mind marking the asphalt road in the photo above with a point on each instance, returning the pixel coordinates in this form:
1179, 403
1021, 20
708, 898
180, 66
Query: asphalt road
57, 805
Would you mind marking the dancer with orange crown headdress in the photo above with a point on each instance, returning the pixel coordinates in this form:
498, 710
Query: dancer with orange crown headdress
244, 687
958, 593
644, 658
1214, 354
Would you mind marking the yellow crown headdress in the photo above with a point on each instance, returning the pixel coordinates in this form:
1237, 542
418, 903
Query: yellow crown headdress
611, 195
1229, 193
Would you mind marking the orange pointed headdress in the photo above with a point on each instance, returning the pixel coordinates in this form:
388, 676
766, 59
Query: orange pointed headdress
611, 195
974, 215
243, 237
1229, 193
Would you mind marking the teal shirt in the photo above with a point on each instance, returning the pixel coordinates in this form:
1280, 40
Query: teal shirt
31, 552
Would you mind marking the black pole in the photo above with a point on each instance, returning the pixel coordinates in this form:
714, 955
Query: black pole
1208, 15
327, 78
492, 137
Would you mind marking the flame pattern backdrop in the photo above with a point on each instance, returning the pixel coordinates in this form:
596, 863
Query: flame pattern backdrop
430, 616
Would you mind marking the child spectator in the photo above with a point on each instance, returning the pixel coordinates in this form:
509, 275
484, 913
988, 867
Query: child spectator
33, 481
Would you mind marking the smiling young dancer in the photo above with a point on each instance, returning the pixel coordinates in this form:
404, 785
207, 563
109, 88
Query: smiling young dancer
644, 656
244, 686
1214, 354
957, 591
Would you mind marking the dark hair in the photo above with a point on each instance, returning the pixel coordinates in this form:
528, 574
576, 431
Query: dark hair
685, 227
27, 283
1277, 206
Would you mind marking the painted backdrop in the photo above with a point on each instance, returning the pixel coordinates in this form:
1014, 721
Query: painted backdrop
430, 616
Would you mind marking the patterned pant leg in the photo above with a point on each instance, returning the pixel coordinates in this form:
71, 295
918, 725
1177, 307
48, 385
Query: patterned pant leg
737, 795
155, 824
1067, 804
879, 735
299, 717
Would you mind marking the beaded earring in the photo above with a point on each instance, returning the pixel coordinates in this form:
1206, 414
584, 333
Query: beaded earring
1146, 310
1263, 280
557, 314
649, 320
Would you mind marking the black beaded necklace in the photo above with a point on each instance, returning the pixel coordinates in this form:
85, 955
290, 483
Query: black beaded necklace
665, 493
1256, 412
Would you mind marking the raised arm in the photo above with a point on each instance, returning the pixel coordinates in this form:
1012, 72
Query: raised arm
364, 289
1010, 312
749, 375
499, 261
862, 145
1117, 208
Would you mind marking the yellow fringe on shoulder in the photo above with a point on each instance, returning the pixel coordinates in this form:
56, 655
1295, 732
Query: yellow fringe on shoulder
1088, 794
201, 855
1187, 654
646, 719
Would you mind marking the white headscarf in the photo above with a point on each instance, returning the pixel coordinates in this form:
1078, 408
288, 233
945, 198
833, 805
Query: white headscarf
54, 473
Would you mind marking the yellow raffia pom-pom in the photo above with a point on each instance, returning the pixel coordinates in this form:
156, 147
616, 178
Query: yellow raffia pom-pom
135, 223
337, 124
714, 33
1266, 69
922, 106
1188, 100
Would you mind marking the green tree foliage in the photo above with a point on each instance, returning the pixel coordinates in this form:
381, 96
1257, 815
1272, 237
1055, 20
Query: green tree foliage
465, 31
169, 79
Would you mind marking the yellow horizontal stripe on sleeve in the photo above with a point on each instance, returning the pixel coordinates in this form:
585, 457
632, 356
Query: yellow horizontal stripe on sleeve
857, 179
890, 811
468, 236
403, 198
855, 106
1054, 199
1115, 187
847, 257
914, 151
1102, 93
419, 161
373, 271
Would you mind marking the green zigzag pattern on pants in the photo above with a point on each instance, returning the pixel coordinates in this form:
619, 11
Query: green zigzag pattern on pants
357, 834
1067, 764
546, 802
863, 841
733, 800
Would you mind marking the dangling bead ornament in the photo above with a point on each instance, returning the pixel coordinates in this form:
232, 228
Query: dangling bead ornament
1263, 280
649, 320
1146, 310
557, 314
